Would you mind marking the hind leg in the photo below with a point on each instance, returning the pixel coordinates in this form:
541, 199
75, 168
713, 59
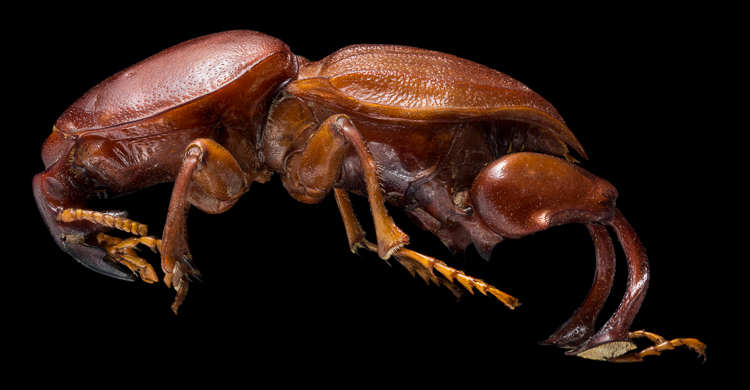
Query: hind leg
660, 344
580, 326
523, 193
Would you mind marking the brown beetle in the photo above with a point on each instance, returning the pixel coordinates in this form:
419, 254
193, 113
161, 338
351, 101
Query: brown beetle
446, 139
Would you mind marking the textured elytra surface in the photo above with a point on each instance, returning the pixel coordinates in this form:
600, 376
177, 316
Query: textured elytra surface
406, 77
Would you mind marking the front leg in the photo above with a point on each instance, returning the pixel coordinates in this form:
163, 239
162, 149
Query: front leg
210, 179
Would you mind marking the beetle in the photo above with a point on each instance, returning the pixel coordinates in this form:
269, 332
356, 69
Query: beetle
469, 154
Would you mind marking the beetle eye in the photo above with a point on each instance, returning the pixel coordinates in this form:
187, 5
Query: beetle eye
54, 147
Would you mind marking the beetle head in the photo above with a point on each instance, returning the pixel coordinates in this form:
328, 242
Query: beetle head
60, 187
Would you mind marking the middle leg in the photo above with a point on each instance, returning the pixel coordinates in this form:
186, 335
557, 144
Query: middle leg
417, 263
311, 173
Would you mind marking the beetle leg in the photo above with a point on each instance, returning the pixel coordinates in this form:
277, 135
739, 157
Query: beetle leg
122, 251
415, 262
661, 344
313, 172
354, 231
561, 193
452, 274
580, 326
564, 193
613, 339
210, 179
417, 268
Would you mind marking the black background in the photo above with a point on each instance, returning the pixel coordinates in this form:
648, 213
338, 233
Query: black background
646, 93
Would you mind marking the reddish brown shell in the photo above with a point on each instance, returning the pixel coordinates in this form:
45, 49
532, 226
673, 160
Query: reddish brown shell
132, 129
399, 82
178, 75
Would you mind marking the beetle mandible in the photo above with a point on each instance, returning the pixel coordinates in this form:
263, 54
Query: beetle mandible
469, 153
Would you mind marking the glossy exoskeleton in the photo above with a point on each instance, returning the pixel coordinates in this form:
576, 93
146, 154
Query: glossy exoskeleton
470, 154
